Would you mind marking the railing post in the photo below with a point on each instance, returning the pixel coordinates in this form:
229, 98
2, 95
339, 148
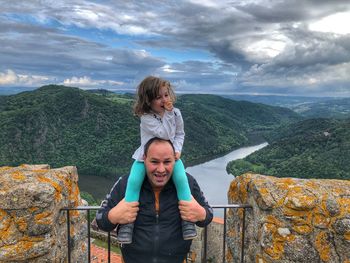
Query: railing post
224, 239
109, 247
243, 232
205, 245
89, 245
68, 235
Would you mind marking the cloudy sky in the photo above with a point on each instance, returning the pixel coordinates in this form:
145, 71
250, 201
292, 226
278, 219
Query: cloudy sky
298, 47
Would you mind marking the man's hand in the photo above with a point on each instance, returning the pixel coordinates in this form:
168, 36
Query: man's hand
168, 105
191, 211
123, 212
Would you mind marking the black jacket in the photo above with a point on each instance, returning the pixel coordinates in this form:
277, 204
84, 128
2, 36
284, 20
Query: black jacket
156, 238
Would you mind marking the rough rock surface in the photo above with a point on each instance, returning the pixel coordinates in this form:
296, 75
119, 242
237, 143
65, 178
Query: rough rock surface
32, 227
292, 220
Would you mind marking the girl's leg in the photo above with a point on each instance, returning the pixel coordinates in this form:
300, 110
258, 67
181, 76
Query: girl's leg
135, 180
183, 193
181, 182
133, 187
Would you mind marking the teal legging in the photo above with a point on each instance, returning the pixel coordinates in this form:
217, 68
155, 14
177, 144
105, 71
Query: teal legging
137, 175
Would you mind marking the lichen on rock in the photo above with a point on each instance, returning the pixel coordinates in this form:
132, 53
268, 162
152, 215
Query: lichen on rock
32, 226
292, 220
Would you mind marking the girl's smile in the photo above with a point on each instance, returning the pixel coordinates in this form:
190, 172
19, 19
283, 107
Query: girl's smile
157, 105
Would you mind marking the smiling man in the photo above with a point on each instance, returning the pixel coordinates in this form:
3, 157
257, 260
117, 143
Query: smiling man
157, 216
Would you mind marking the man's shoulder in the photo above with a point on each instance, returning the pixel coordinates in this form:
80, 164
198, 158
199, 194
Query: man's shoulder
191, 179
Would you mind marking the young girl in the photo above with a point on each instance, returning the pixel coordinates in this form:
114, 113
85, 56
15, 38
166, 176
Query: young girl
154, 106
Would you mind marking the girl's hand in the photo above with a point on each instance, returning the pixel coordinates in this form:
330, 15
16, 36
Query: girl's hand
177, 155
168, 105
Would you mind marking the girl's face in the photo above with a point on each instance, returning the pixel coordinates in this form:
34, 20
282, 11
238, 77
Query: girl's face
157, 104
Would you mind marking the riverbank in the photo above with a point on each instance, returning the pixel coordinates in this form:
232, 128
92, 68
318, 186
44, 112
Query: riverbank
213, 178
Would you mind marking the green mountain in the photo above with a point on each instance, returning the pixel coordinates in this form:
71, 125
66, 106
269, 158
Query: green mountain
314, 148
335, 108
215, 125
308, 107
67, 126
97, 133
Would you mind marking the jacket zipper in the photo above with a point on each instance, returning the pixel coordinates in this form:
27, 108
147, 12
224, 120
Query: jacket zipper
156, 234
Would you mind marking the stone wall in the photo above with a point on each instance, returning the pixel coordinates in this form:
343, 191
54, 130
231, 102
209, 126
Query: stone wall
32, 227
292, 220
215, 235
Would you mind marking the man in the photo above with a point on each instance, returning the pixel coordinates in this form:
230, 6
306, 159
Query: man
157, 216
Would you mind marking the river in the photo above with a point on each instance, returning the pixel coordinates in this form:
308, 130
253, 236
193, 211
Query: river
213, 178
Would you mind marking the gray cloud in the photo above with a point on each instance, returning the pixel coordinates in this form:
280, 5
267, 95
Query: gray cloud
252, 46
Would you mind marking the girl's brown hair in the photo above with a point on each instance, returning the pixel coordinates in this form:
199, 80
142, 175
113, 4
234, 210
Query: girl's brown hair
147, 91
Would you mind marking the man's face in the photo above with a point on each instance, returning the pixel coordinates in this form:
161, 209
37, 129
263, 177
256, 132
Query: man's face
159, 163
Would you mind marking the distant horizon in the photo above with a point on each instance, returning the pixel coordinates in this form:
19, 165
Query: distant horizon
15, 90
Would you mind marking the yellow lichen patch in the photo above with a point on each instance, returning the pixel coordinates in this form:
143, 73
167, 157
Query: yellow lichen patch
65, 180
279, 235
294, 213
233, 191
55, 185
75, 195
276, 251
347, 236
33, 209
297, 199
273, 221
322, 209
265, 198
322, 246
18, 175
240, 213
5, 230
43, 218
40, 171
287, 182
320, 220
243, 192
302, 229
259, 259
72, 230
346, 261
23, 245
310, 184
302, 225
344, 204
264, 191
21, 224
32, 239
2, 214
5, 168
231, 232
229, 257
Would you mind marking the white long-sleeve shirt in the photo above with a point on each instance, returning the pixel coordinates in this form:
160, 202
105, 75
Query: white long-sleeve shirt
169, 127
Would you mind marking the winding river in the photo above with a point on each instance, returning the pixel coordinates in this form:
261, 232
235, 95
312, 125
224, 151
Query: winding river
213, 179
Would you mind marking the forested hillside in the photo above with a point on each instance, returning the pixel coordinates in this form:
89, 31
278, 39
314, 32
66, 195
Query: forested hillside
308, 107
336, 108
97, 132
315, 148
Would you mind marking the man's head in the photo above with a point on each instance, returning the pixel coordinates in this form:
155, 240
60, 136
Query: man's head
159, 160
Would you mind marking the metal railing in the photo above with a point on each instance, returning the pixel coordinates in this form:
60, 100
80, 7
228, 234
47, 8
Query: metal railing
88, 209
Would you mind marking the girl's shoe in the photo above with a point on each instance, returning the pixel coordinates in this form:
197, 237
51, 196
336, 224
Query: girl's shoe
125, 233
188, 230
